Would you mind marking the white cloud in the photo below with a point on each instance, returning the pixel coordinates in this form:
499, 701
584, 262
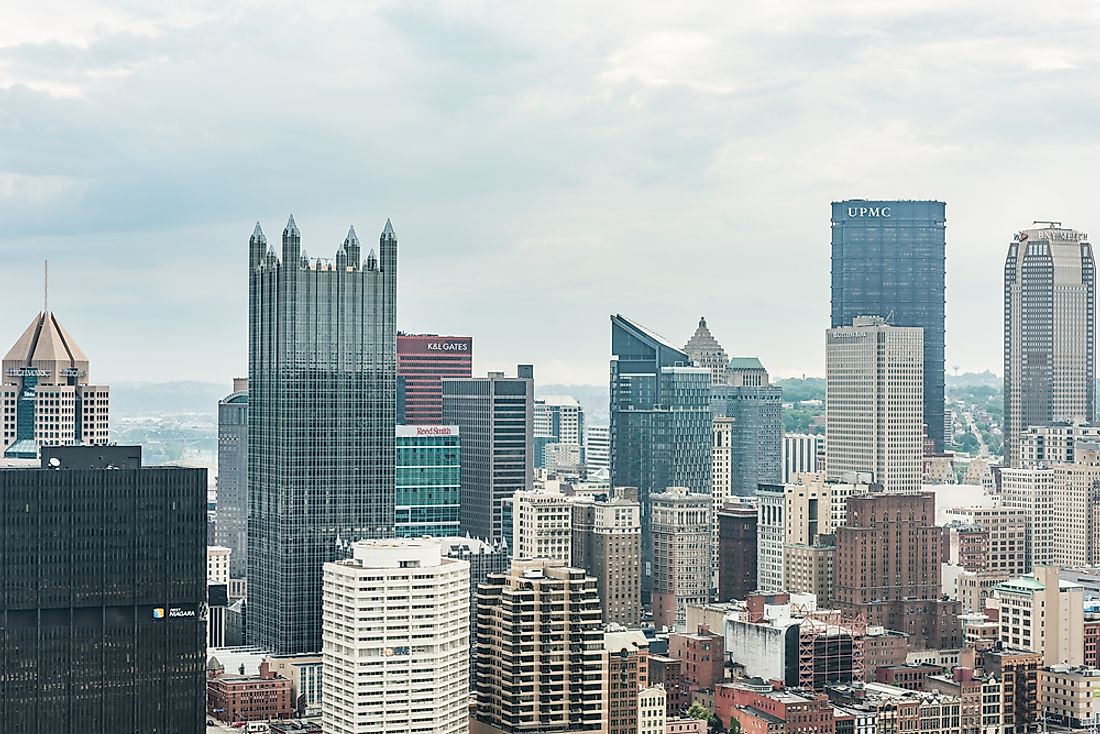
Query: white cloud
545, 163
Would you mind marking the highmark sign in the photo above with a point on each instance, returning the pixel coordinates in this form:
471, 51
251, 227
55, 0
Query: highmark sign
869, 211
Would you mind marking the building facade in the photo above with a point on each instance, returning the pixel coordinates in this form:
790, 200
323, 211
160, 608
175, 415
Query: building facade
1042, 613
755, 410
737, 551
1054, 444
874, 403
607, 542
495, 415
1049, 332
423, 362
626, 656
540, 651
888, 567
800, 452
321, 419
542, 526
231, 526
660, 422
396, 640
597, 449
889, 260
104, 599
428, 474
559, 422
45, 395
681, 554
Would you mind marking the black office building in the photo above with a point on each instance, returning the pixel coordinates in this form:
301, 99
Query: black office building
102, 610
889, 261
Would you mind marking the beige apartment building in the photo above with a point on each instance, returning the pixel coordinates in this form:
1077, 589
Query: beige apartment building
681, 554
540, 662
607, 542
1042, 613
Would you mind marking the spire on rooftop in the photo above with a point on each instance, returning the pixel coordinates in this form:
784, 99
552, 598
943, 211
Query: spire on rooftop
388, 230
705, 351
258, 234
352, 238
291, 227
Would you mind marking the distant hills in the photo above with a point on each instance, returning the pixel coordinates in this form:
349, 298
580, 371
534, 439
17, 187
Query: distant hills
135, 399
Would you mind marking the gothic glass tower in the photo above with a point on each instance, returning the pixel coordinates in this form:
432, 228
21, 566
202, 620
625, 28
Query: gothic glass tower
320, 423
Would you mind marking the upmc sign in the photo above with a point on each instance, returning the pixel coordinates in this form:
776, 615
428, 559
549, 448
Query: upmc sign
869, 211
435, 345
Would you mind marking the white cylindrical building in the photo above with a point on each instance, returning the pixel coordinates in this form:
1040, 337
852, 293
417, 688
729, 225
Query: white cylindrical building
396, 640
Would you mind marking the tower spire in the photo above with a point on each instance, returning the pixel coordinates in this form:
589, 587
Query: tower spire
45, 286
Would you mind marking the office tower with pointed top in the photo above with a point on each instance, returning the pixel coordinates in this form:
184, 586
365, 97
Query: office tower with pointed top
320, 423
1049, 332
660, 422
889, 260
45, 395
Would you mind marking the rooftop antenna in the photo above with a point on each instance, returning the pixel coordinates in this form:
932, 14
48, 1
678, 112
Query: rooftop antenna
46, 286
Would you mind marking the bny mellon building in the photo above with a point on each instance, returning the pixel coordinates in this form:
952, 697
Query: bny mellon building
320, 423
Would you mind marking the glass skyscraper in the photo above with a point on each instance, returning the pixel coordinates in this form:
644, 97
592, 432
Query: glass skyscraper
231, 526
429, 481
495, 415
660, 421
320, 423
889, 261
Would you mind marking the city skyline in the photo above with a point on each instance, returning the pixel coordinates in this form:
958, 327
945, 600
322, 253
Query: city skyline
120, 176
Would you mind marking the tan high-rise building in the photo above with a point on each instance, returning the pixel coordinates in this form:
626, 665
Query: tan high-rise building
626, 656
681, 553
1042, 613
542, 525
1032, 492
1007, 529
45, 397
540, 651
808, 543
721, 472
607, 542
874, 403
1049, 331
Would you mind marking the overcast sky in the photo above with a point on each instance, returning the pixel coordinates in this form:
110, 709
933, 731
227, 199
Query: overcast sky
544, 163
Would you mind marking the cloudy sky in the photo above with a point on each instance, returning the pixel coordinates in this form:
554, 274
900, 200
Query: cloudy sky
544, 163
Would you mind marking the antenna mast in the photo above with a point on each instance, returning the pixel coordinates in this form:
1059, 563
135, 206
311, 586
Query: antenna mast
46, 286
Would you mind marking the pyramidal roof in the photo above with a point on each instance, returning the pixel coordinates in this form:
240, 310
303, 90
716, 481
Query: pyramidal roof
44, 340
703, 347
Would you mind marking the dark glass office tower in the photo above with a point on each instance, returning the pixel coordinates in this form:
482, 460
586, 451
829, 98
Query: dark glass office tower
103, 603
231, 528
495, 418
320, 423
889, 261
660, 421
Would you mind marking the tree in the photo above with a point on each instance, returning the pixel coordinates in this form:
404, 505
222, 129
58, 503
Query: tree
699, 711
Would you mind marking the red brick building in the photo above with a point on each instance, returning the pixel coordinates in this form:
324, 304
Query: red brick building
888, 565
702, 656
736, 551
665, 670
912, 676
260, 697
1092, 642
786, 711
423, 360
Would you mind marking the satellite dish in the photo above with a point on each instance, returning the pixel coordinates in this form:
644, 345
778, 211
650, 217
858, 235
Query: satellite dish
55, 462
